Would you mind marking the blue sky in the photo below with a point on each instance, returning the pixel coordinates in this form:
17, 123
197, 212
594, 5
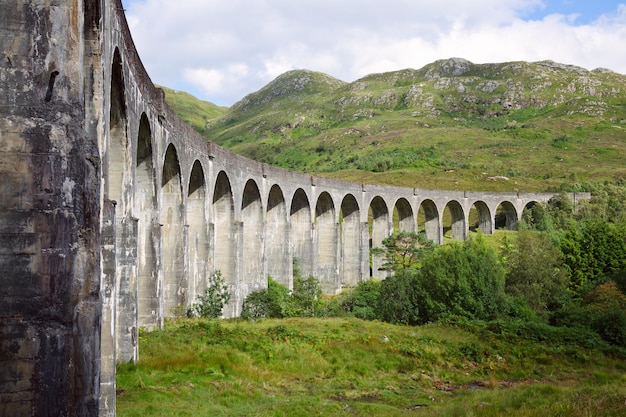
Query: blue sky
221, 50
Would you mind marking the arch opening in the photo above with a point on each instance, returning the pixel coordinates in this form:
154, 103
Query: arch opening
453, 221
224, 237
506, 216
327, 244
278, 251
174, 282
301, 231
378, 221
351, 253
198, 232
145, 209
252, 217
479, 218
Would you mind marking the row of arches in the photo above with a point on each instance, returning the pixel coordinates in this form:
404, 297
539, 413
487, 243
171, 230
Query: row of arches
175, 218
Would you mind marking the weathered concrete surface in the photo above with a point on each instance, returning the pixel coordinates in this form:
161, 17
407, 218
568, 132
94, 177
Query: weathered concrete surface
49, 208
114, 213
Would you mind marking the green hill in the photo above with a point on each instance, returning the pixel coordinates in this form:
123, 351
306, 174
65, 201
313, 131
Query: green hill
452, 124
195, 112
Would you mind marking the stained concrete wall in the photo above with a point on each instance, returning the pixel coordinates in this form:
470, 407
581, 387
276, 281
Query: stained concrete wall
114, 213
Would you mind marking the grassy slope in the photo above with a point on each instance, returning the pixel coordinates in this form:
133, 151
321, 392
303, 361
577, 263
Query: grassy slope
196, 113
330, 367
512, 126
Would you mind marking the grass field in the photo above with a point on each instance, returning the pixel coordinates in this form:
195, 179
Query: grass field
330, 367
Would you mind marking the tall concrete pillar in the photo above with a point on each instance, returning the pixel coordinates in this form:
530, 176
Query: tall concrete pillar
49, 216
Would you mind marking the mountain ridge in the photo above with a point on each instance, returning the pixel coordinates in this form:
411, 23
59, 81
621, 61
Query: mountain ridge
450, 124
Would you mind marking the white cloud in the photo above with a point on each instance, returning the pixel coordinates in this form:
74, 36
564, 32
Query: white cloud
221, 50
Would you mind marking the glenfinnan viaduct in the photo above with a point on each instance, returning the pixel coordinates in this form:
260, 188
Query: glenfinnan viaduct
113, 212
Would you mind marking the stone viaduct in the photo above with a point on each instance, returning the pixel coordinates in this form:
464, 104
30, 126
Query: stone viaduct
113, 212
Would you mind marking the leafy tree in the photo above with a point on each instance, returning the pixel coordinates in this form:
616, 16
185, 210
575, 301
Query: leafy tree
462, 279
363, 300
306, 297
400, 301
403, 250
535, 273
216, 296
592, 250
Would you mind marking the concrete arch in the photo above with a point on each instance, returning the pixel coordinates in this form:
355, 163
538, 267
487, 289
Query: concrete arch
403, 215
431, 221
252, 215
147, 234
458, 224
351, 240
172, 221
301, 230
277, 248
197, 244
484, 217
225, 242
532, 213
378, 220
506, 216
327, 243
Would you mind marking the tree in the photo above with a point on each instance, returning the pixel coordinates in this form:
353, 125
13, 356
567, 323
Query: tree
216, 296
535, 273
403, 250
461, 279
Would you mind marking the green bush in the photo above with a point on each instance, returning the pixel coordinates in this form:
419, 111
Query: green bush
399, 301
270, 302
306, 298
211, 304
364, 300
466, 280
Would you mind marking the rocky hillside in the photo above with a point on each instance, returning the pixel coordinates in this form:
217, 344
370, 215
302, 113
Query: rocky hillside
451, 124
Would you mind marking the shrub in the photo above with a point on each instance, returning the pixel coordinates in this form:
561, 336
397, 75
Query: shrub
211, 304
270, 302
306, 298
364, 299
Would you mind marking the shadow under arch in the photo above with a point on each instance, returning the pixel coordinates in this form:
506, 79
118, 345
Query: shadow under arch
172, 234
252, 244
301, 229
351, 254
404, 219
224, 242
277, 248
327, 244
429, 214
148, 296
506, 216
378, 221
197, 239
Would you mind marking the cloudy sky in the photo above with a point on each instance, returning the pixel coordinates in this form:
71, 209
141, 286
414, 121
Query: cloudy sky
221, 50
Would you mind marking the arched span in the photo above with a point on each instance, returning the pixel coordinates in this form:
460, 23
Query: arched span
277, 249
454, 220
224, 241
533, 214
145, 208
327, 244
174, 277
480, 216
378, 219
301, 221
428, 216
506, 216
351, 254
197, 232
404, 219
252, 244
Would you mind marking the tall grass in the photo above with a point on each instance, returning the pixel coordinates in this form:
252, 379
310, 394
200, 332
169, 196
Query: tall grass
328, 367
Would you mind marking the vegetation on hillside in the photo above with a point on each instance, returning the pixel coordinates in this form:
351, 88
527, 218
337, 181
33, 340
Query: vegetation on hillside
450, 125
195, 112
